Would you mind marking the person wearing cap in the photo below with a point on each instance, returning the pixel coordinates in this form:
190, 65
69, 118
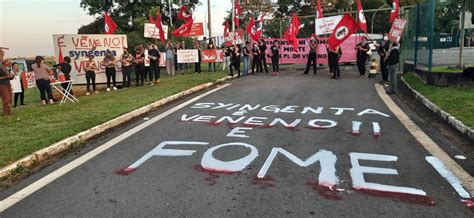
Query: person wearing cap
5, 87
127, 67
90, 68
42, 74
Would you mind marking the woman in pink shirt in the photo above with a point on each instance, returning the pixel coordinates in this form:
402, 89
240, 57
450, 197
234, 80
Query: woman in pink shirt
42, 73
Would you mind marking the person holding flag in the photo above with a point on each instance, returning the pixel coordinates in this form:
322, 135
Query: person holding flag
313, 46
392, 63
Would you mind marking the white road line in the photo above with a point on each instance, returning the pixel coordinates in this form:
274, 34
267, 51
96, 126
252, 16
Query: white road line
427, 142
20, 195
455, 183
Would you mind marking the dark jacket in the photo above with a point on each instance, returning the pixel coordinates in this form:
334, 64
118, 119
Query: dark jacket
393, 57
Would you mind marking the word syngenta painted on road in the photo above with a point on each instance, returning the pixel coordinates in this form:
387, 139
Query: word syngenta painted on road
327, 179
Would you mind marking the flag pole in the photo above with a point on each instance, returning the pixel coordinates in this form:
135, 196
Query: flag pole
233, 15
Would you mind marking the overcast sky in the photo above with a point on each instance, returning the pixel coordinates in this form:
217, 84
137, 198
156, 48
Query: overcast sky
27, 26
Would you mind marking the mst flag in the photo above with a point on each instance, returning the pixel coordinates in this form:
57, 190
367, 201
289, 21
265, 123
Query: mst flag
319, 11
255, 30
395, 10
159, 25
152, 21
184, 14
292, 31
110, 25
343, 30
183, 30
362, 22
237, 13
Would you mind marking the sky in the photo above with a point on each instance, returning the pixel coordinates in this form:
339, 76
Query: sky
27, 26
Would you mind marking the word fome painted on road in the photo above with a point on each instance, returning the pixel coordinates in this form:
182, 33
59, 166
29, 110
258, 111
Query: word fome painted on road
240, 114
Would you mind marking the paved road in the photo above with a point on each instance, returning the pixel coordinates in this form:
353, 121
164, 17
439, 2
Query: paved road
193, 162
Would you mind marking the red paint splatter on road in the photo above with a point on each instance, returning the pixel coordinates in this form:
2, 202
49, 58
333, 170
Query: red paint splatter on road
125, 171
403, 197
212, 173
377, 135
265, 182
469, 203
355, 133
326, 191
213, 124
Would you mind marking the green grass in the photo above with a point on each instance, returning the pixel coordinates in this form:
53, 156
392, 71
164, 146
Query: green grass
446, 70
457, 101
34, 127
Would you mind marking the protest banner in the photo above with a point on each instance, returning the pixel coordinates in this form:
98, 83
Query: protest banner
15, 84
162, 59
188, 56
236, 37
209, 56
289, 56
78, 47
397, 30
326, 25
151, 31
197, 29
28, 79
219, 55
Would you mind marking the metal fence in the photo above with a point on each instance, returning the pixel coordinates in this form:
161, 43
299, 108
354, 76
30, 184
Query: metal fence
431, 49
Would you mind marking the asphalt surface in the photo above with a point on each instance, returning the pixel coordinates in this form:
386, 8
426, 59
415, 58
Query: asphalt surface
178, 185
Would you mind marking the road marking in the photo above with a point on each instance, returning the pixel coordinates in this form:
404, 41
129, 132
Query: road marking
427, 142
25, 192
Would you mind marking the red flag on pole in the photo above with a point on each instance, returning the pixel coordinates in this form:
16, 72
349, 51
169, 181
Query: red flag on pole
183, 30
226, 29
319, 11
159, 26
362, 22
237, 13
395, 10
184, 14
292, 32
342, 31
255, 30
110, 25
151, 19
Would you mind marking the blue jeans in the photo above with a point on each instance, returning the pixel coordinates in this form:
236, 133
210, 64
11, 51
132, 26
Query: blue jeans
246, 65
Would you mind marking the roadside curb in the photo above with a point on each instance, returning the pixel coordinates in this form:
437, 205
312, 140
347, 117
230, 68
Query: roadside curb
65, 144
453, 121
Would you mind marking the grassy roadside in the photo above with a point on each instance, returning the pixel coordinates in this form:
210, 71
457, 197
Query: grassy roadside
446, 70
457, 101
34, 127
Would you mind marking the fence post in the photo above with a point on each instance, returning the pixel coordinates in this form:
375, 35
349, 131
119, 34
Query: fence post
415, 61
430, 58
461, 46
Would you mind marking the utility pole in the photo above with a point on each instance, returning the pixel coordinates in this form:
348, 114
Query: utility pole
209, 18
171, 15
233, 15
461, 46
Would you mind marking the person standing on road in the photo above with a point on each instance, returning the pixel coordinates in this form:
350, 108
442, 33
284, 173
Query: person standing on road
362, 48
110, 73
382, 50
197, 66
256, 59
334, 56
235, 60
392, 63
139, 65
16, 72
42, 74
90, 68
226, 62
154, 55
263, 52
5, 87
211, 45
127, 67
275, 49
246, 55
311, 56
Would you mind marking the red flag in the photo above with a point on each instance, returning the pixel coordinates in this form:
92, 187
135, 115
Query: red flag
151, 19
342, 31
292, 32
184, 14
183, 30
226, 29
110, 25
395, 10
255, 31
159, 26
237, 13
362, 22
319, 11
61, 58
